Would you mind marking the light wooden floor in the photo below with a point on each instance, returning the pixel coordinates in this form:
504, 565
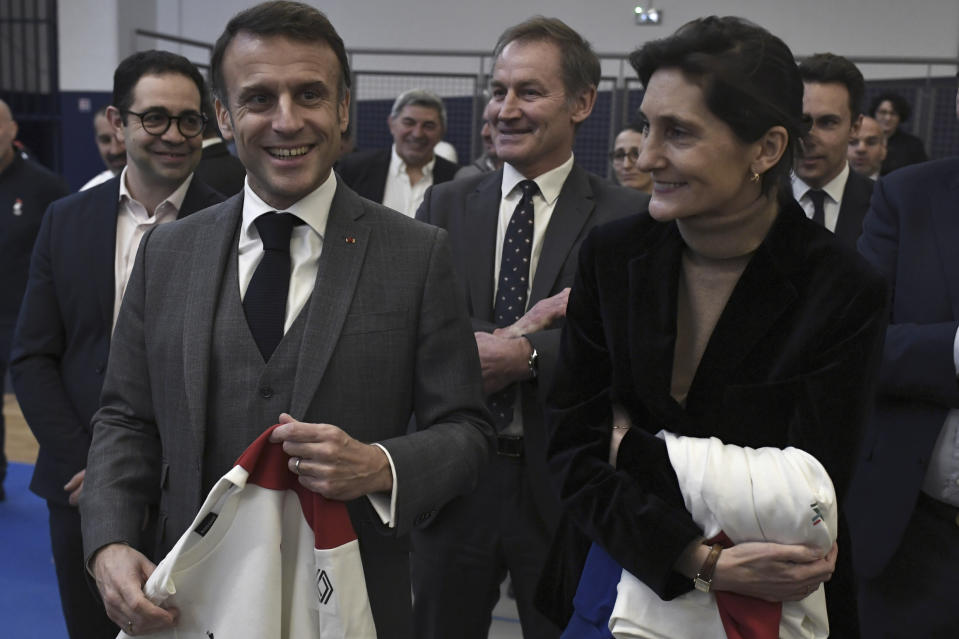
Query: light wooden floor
20, 445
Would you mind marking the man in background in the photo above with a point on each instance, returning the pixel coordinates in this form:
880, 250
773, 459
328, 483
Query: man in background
398, 176
829, 192
26, 189
515, 234
110, 146
867, 148
78, 274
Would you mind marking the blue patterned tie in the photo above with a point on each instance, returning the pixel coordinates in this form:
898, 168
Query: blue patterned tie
265, 301
511, 291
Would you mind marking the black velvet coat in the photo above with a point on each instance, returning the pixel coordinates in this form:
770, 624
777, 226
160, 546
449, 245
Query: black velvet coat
792, 361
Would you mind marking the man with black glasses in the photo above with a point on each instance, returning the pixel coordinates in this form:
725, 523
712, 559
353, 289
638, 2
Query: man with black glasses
78, 273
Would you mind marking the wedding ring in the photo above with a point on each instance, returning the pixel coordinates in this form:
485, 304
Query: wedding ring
130, 626
296, 465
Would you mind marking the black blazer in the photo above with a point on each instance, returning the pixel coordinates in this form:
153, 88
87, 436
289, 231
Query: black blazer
62, 339
910, 236
852, 208
468, 209
791, 362
365, 171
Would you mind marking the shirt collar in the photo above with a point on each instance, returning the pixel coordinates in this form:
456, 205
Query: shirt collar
398, 166
550, 183
175, 199
833, 188
211, 141
314, 209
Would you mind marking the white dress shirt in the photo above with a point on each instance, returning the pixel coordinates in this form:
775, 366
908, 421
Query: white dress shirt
544, 203
133, 220
398, 193
831, 202
306, 245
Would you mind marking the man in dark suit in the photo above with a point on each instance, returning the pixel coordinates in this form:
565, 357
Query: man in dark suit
26, 188
399, 176
337, 317
515, 235
823, 184
903, 506
218, 167
79, 270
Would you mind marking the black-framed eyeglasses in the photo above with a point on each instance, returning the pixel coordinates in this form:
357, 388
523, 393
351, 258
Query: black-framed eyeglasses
619, 155
189, 124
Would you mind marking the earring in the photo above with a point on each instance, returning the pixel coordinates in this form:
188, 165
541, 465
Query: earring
754, 177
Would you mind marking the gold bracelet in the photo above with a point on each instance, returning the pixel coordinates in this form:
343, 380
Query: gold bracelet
704, 578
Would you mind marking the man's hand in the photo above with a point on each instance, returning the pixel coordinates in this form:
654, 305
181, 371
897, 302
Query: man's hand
331, 462
543, 315
120, 572
503, 360
74, 486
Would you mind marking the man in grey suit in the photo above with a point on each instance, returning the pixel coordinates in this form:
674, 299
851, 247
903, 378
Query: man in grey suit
515, 235
370, 332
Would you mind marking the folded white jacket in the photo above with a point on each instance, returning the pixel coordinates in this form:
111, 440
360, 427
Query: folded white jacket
767, 494
265, 557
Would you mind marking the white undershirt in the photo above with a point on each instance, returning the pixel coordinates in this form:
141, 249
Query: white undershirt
398, 193
133, 221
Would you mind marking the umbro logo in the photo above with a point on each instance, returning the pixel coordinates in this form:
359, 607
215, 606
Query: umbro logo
324, 587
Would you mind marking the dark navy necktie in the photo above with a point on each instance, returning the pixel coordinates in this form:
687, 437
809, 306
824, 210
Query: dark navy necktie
818, 197
265, 302
511, 290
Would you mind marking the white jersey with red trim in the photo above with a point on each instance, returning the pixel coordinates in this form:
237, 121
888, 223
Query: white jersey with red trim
265, 557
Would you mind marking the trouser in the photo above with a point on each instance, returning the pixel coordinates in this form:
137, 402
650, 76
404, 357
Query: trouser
461, 559
915, 595
82, 609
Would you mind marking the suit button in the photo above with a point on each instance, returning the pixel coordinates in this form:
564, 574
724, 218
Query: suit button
266, 392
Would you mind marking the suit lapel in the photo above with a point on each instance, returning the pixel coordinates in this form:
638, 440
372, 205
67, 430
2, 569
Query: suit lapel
653, 284
344, 249
946, 220
210, 252
479, 222
572, 210
198, 197
762, 295
101, 244
852, 209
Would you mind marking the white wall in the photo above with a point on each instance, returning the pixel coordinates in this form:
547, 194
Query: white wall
893, 28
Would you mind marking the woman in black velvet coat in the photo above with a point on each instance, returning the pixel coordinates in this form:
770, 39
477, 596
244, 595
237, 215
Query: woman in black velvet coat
789, 352
902, 149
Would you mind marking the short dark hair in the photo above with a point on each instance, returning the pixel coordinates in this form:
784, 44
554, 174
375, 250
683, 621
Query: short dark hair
579, 63
293, 20
637, 124
748, 77
151, 62
829, 68
898, 102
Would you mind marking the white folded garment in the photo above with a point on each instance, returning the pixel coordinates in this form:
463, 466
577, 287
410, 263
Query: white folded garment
767, 494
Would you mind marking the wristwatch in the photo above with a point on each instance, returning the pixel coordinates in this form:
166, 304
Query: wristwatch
704, 578
533, 362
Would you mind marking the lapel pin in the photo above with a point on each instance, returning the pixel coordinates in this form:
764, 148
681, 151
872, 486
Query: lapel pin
18, 207
350, 239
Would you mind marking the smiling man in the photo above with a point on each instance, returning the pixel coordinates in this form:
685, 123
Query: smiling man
78, 273
823, 184
399, 176
110, 146
515, 234
299, 302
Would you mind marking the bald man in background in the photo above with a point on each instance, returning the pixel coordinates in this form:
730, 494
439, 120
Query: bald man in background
26, 188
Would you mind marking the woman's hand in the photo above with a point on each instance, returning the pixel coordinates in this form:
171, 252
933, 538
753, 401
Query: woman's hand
774, 572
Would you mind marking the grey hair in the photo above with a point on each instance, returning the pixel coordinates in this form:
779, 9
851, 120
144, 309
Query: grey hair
419, 97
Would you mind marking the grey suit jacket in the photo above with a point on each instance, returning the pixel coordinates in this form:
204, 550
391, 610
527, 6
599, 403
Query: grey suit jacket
386, 338
468, 209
